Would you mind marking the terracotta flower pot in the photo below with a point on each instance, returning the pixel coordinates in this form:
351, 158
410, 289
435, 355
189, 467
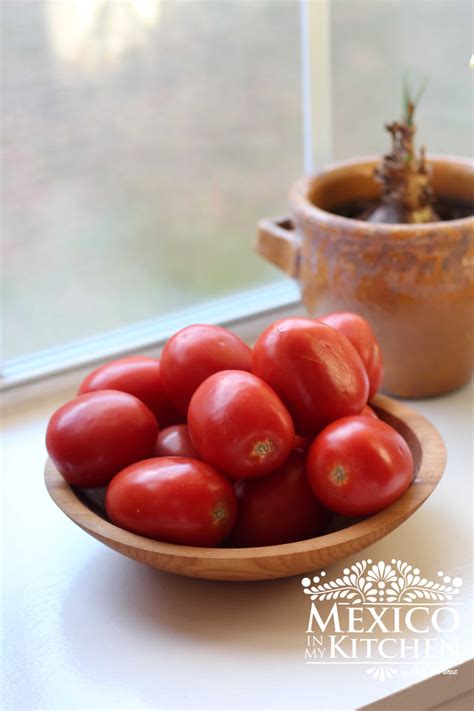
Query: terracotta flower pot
414, 283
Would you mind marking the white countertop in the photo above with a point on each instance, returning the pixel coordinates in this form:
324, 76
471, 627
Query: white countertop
86, 628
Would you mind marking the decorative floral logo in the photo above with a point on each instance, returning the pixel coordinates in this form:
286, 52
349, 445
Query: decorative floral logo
394, 582
381, 590
382, 672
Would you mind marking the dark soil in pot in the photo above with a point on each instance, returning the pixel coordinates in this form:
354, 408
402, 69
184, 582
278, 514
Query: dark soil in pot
446, 209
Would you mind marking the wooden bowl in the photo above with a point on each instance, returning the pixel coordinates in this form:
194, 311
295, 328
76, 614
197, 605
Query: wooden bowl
279, 561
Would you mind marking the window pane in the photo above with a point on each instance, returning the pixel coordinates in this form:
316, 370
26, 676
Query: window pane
373, 44
142, 141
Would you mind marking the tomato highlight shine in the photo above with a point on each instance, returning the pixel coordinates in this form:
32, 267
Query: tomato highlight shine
315, 370
175, 441
360, 334
95, 435
358, 466
139, 376
239, 425
173, 499
195, 353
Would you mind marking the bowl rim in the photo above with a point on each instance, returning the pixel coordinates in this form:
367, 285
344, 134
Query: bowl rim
301, 205
431, 467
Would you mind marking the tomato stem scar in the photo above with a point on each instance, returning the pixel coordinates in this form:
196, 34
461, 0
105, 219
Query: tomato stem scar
262, 448
219, 513
338, 475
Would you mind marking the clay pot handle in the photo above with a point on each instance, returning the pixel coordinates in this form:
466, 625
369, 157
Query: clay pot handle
277, 241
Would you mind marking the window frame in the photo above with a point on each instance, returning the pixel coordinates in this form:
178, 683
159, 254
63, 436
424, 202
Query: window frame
57, 366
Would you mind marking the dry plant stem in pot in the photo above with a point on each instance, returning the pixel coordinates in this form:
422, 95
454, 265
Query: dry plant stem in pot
414, 283
365, 236
404, 178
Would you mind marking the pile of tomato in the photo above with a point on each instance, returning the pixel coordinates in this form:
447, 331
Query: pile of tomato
217, 443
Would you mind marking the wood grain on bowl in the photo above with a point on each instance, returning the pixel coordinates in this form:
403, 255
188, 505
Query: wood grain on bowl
279, 561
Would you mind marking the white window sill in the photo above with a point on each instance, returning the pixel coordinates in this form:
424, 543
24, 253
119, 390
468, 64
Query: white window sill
85, 613
57, 369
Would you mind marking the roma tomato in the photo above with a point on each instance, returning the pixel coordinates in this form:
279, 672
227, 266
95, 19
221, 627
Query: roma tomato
358, 466
195, 353
95, 435
368, 412
175, 441
239, 425
173, 499
314, 369
139, 376
360, 334
279, 508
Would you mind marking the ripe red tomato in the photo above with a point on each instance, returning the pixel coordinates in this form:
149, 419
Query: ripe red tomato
368, 412
314, 369
95, 435
139, 376
173, 499
358, 466
195, 353
279, 508
175, 441
239, 425
360, 334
